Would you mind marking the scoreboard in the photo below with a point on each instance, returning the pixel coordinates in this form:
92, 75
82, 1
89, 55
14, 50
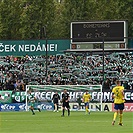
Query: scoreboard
99, 31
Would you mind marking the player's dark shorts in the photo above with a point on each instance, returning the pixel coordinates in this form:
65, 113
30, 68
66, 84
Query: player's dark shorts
66, 104
119, 106
86, 104
55, 102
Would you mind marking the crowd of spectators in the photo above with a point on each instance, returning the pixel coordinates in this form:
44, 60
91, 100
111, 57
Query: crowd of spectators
66, 69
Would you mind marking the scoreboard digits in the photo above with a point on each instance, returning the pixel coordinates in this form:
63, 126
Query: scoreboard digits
94, 32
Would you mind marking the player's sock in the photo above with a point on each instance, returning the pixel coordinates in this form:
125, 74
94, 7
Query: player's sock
121, 118
39, 109
115, 115
63, 112
32, 111
55, 107
68, 112
86, 110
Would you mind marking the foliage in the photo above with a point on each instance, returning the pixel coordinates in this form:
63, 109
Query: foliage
34, 19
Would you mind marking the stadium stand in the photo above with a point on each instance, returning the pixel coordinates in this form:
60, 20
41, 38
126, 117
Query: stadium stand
64, 69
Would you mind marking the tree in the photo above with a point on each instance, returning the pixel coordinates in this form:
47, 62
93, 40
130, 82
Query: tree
37, 16
9, 19
34, 19
73, 10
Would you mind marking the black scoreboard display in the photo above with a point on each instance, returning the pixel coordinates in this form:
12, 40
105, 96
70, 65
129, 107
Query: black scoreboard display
97, 32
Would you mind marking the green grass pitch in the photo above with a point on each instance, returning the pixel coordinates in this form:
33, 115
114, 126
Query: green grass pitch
48, 121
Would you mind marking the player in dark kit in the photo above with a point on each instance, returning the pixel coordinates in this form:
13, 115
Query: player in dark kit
56, 99
65, 102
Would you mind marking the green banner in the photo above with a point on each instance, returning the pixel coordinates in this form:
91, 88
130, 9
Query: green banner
5, 96
33, 47
18, 97
12, 97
